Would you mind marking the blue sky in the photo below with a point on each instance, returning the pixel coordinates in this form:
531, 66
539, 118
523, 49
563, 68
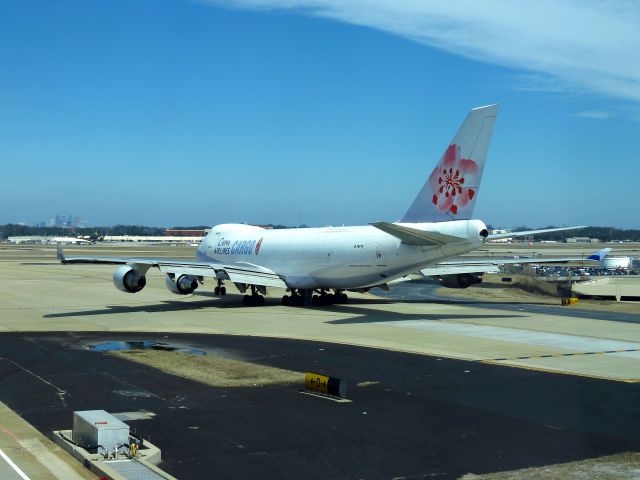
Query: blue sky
176, 112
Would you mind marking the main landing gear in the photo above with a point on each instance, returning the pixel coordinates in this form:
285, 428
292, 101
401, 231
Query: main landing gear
329, 298
253, 300
295, 300
220, 289
300, 297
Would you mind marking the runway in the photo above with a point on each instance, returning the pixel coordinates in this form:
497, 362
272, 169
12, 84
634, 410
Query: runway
443, 399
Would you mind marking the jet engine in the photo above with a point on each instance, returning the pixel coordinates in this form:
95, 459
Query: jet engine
460, 280
128, 279
182, 285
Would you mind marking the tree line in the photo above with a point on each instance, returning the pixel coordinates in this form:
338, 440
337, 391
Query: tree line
604, 234
16, 230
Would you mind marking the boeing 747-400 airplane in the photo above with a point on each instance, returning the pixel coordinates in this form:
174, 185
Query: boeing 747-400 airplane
318, 265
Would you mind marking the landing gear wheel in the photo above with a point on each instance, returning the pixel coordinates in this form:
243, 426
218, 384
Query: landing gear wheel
286, 300
254, 300
220, 289
316, 300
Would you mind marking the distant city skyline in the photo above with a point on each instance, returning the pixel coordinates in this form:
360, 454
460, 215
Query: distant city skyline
179, 112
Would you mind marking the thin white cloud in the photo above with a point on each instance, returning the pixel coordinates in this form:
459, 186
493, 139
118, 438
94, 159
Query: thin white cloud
584, 45
593, 114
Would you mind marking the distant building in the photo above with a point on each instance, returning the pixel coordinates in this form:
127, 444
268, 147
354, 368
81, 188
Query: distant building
172, 232
192, 240
582, 240
500, 231
27, 239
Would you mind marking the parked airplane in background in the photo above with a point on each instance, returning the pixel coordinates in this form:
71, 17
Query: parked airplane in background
318, 265
69, 240
96, 237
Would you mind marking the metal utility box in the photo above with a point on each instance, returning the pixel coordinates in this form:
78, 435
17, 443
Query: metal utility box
94, 428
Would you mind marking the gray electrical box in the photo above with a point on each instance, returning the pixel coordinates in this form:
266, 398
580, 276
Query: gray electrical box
94, 428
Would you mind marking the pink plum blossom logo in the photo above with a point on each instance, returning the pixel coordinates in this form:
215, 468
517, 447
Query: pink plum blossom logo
449, 179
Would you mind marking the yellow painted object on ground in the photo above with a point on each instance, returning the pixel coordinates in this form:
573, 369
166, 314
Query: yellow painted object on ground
324, 384
569, 301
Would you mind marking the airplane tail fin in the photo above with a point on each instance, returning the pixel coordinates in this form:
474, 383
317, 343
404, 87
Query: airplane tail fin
599, 255
451, 190
60, 253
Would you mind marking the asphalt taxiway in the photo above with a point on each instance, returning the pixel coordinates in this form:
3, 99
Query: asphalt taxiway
439, 397
428, 290
410, 415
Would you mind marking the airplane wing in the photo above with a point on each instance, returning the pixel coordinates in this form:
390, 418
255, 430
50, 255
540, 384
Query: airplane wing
493, 265
496, 236
235, 272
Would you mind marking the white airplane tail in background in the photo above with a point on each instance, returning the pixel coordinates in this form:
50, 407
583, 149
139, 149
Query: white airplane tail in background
451, 190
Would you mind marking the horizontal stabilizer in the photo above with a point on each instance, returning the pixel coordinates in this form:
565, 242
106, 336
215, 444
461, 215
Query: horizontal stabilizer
496, 236
413, 236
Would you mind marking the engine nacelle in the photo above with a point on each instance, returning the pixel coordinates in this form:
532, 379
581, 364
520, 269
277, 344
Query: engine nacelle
128, 279
460, 280
182, 285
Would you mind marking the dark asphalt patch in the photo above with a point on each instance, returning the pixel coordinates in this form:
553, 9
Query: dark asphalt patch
426, 415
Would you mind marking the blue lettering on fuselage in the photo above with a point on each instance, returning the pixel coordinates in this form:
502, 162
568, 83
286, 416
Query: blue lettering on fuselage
238, 247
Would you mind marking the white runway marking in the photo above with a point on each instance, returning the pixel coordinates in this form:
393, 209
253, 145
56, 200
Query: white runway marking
529, 337
13, 465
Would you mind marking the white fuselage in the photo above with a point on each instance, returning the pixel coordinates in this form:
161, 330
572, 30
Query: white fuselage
335, 257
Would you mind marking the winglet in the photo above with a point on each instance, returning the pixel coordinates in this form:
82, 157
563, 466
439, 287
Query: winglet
599, 255
60, 253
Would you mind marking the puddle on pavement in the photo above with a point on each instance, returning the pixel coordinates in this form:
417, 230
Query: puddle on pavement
144, 345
